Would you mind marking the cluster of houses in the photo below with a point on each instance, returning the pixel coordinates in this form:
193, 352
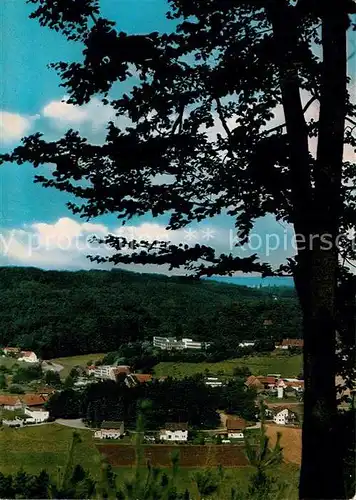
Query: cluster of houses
16, 352
173, 432
285, 345
32, 405
172, 343
121, 372
274, 384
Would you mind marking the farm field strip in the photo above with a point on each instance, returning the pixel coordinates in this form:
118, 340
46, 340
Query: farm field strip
189, 455
287, 366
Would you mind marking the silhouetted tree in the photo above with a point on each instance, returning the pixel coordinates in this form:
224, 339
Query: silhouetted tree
229, 63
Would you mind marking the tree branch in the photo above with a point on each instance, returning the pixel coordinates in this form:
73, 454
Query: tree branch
224, 124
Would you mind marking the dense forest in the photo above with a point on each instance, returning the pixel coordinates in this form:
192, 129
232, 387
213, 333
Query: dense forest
59, 313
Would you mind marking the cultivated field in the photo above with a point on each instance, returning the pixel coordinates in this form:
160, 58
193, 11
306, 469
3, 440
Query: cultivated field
69, 362
291, 441
189, 455
287, 366
47, 447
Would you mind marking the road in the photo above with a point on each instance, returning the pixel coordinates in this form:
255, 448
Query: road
76, 423
53, 366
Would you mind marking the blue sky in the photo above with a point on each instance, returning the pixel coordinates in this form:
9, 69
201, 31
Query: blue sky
30, 101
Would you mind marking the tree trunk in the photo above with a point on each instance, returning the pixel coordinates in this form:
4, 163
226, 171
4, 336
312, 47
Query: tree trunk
322, 464
317, 206
321, 472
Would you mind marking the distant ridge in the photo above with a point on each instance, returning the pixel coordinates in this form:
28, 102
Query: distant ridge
255, 281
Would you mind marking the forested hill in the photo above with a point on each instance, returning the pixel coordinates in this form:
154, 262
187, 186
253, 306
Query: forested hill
60, 313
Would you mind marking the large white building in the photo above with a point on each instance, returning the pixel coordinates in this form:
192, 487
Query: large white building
167, 343
108, 372
174, 432
171, 343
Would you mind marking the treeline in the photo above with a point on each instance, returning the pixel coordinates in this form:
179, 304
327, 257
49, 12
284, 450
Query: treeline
188, 400
24, 485
59, 313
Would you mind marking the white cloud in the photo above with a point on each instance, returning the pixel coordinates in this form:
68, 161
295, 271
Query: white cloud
14, 126
63, 114
66, 243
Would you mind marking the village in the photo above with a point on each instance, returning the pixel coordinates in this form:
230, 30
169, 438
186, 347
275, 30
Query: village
279, 395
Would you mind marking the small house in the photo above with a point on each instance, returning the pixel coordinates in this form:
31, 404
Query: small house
253, 382
174, 432
110, 430
284, 417
11, 351
134, 379
28, 357
11, 403
235, 428
288, 343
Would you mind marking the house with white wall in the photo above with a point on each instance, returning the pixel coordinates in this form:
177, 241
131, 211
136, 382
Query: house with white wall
108, 372
110, 430
36, 416
28, 357
235, 428
174, 432
11, 403
284, 417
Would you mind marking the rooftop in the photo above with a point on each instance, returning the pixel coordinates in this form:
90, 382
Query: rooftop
235, 424
174, 426
33, 399
9, 400
107, 424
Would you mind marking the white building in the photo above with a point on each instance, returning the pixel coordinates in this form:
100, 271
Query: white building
36, 416
171, 343
280, 392
191, 344
28, 357
284, 417
174, 432
110, 430
247, 343
167, 343
213, 382
107, 372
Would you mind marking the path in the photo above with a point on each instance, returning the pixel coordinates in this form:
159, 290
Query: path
76, 423
51, 366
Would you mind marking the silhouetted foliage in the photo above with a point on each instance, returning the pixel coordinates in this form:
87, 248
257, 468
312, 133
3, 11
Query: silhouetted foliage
200, 112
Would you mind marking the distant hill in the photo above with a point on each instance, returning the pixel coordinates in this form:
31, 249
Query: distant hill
256, 281
61, 313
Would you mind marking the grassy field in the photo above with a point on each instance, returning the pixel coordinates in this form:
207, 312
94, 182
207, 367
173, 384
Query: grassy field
71, 361
232, 478
10, 362
45, 447
287, 366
